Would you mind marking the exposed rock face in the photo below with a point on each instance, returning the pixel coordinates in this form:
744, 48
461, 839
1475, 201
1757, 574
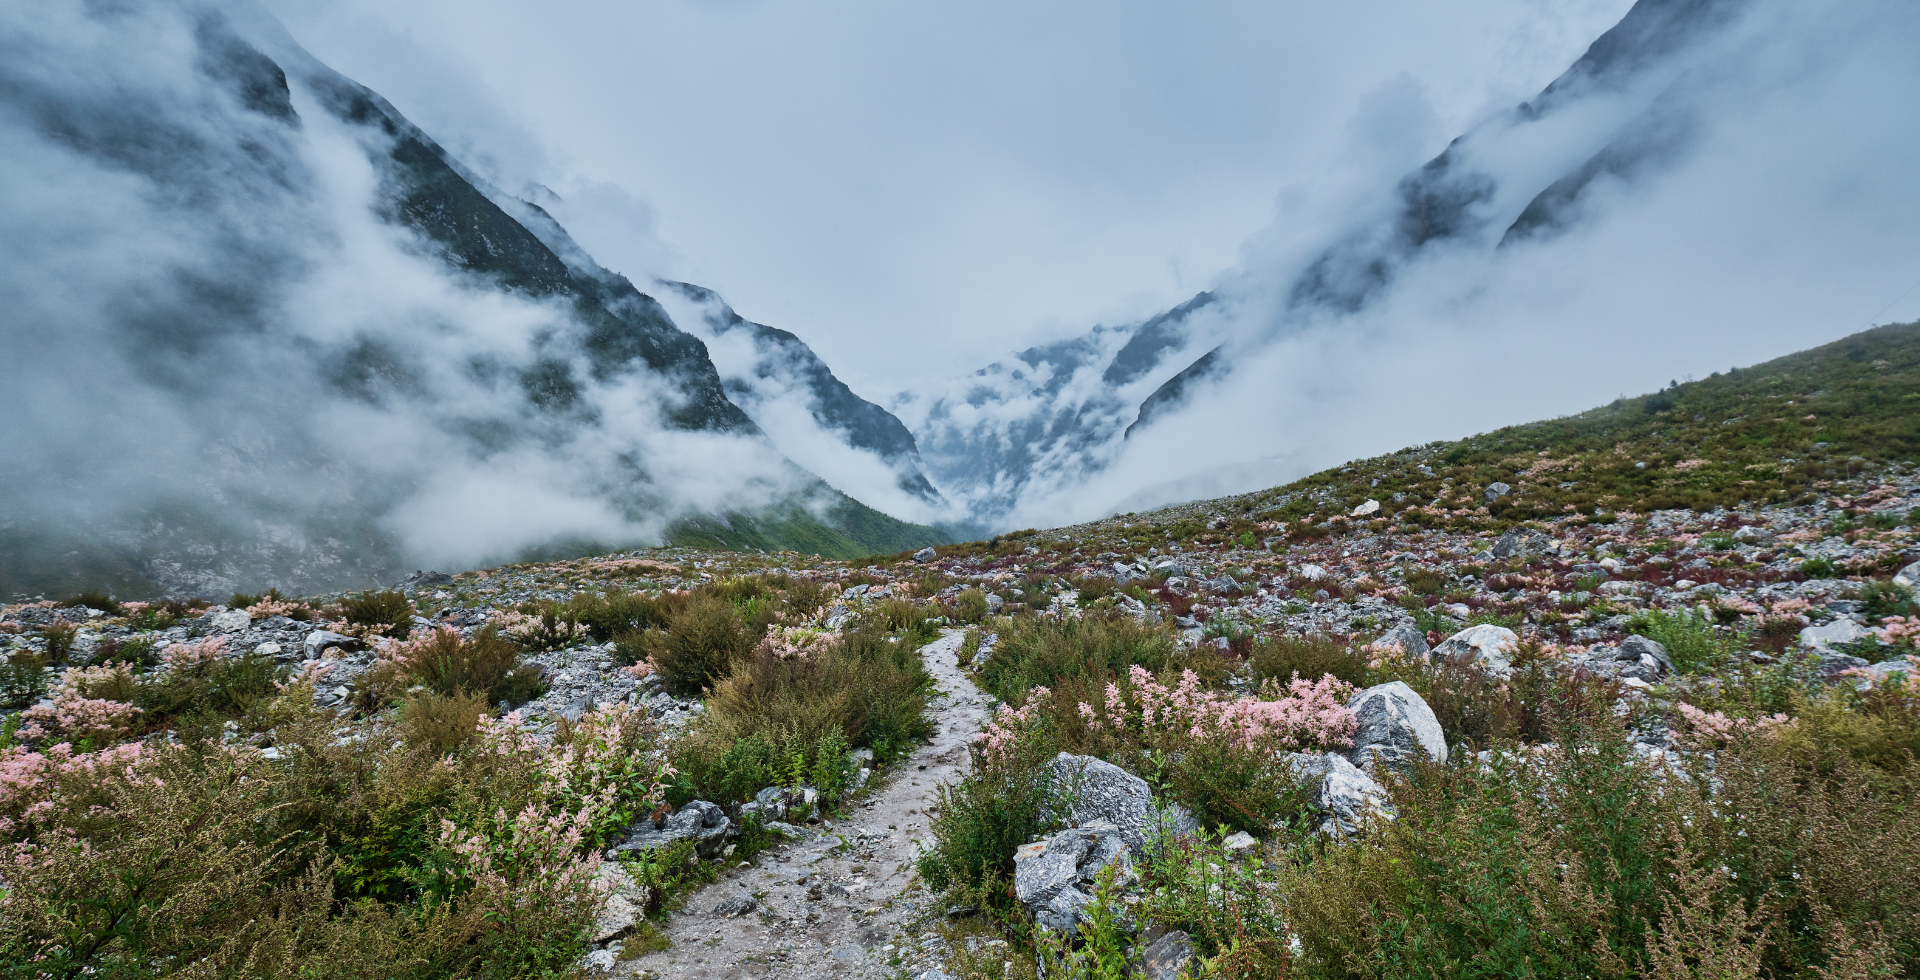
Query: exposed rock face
1822, 639
1522, 541
699, 821
1094, 791
1636, 658
1055, 878
1396, 727
1166, 957
1346, 798
1406, 638
1490, 646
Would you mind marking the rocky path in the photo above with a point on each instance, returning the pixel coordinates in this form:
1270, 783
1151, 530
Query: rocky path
838, 903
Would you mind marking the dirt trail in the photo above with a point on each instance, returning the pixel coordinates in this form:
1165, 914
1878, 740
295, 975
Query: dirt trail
833, 904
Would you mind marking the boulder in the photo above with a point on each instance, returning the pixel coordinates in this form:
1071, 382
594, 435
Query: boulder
1495, 491
625, 905
1370, 507
1055, 878
1908, 576
421, 580
1619, 587
1093, 791
1821, 639
1405, 638
1488, 645
1752, 535
1168, 957
1522, 541
699, 821
924, 554
1873, 675
319, 641
1312, 573
229, 621
1834, 665
1396, 727
1638, 658
1224, 585
1345, 797
995, 604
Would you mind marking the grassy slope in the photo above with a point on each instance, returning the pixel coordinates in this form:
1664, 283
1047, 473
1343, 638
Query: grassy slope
1776, 432
846, 529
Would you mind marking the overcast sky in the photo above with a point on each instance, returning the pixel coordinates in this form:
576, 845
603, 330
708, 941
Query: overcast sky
916, 188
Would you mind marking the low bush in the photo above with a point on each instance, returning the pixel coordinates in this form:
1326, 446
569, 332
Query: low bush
792, 709
1308, 657
1036, 651
699, 643
442, 723
488, 665
970, 606
387, 613
1694, 642
23, 679
92, 600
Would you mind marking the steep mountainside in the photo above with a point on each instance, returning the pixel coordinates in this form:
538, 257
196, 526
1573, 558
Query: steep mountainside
308, 348
1042, 422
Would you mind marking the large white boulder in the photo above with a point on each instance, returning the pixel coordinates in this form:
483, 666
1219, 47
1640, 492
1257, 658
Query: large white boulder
1488, 645
1396, 727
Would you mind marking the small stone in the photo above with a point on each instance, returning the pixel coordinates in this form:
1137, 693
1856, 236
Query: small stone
1239, 841
736, 906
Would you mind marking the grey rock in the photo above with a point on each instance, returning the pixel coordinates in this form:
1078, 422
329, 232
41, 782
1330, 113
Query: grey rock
1832, 665
738, 905
1396, 728
319, 641
1522, 541
1371, 506
1495, 491
600, 961
1224, 585
1490, 646
1641, 659
1054, 878
925, 554
1093, 791
995, 604
1405, 638
1908, 576
625, 905
1619, 587
1165, 958
1345, 797
1239, 841
699, 821
1312, 573
1821, 639
230, 621
421, 580
1874, 675
1753, 535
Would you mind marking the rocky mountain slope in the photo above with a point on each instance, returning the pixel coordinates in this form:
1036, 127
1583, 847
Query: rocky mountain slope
293, 325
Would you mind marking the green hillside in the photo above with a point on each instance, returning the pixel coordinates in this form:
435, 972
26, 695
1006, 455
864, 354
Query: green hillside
1777, 432
846, 528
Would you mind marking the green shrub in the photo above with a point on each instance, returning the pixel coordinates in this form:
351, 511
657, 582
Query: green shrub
970, 606
391, 612
1309, 657
1883, 598
59, 639
23, 679
487, 665
608, 615
1817, 568
1426, 581
1005, 801
93, 600
1042, 651
699, 643
199, 699
1694, 642
442, 723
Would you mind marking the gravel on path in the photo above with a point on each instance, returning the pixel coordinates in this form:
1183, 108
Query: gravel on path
840, 902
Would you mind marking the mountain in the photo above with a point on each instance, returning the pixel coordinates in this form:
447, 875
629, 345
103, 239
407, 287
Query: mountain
1025, 433
1047, 416
269, 332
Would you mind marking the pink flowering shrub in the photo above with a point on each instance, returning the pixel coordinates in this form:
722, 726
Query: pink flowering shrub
1702, 730
601, 766
76, 714
188, 658
33, 785
1299, 715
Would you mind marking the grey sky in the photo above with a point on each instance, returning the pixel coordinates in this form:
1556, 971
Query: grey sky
917, 188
